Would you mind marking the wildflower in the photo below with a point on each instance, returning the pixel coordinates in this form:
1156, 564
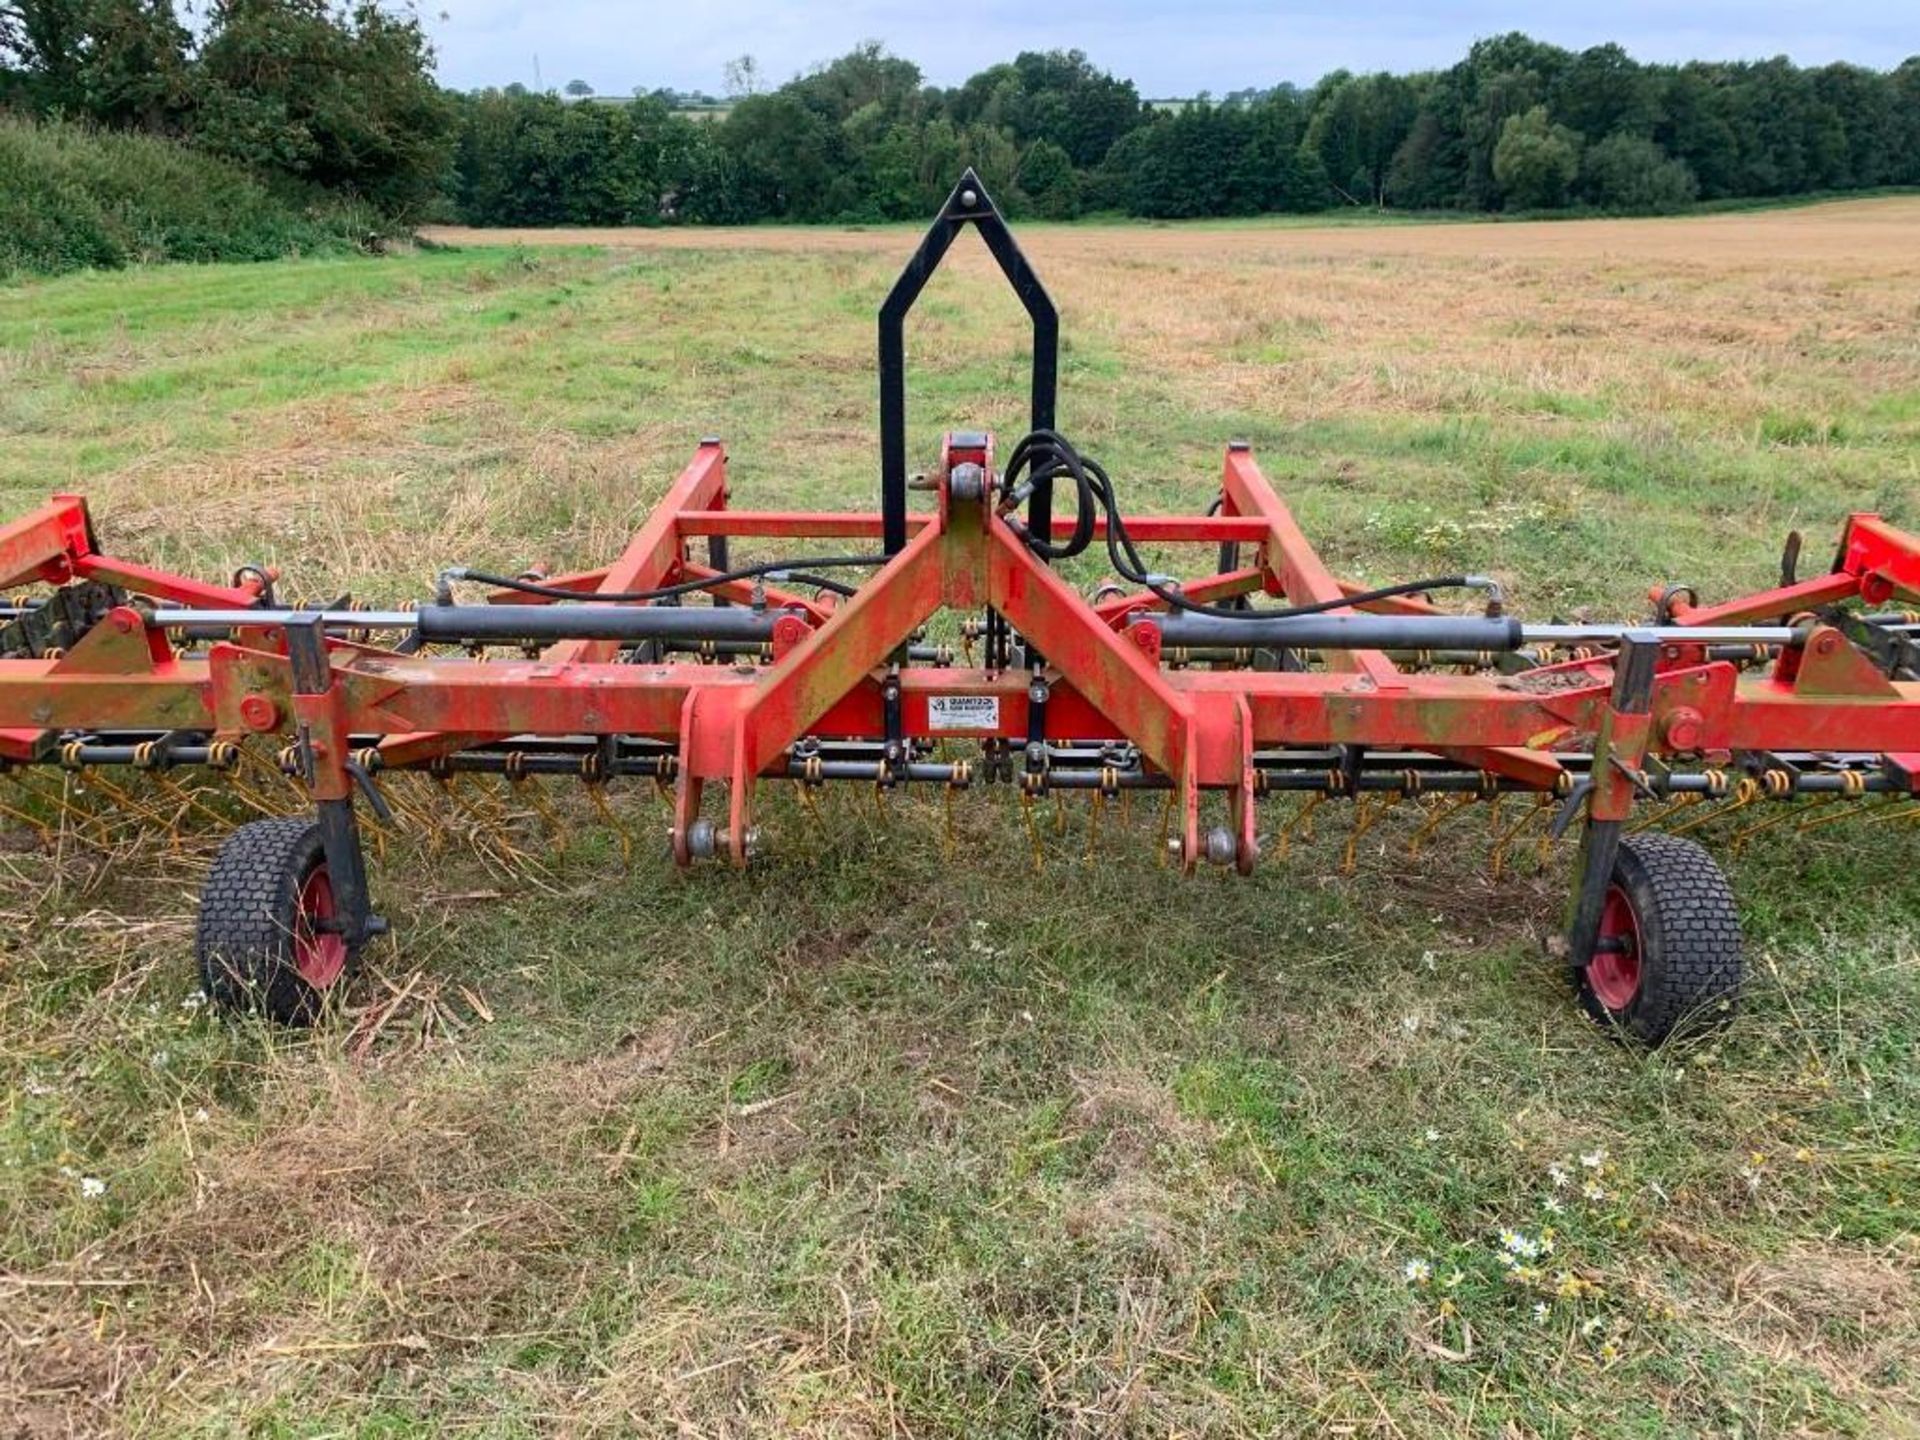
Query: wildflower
200, 1116
1523, 1247
38, 1088
194, 1000
1593, 1192
1609, 1352
1410, 1024
1594, 1159
1417, 1272
1540, 1313
1591, 1325
1432, 1135
1558, 1175
1454, 1277
1552, 1205
91, 1188
159, 1060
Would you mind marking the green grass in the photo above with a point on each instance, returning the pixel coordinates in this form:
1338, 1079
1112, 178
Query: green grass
896, 1134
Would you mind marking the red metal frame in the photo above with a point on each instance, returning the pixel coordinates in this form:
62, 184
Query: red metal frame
1105, 680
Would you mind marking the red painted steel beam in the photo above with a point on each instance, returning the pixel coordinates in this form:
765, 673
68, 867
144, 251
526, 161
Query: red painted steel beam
159, 585
655, 550
862, 633
1302, 576
404, 696
582, 583
791, 524
1209, 591
1393, 604
861, 525
1769, 604
43, 543
741, 592
1877, 562
1108, 670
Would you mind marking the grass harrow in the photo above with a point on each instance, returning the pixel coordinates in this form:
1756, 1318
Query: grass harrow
1268, 676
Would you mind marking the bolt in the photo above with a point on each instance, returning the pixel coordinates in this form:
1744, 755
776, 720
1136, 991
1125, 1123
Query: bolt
1826, 644
1684, 728
1219, 846
1176, 847
969, 198
260, 714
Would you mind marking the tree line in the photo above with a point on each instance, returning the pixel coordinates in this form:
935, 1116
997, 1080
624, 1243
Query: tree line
342, 97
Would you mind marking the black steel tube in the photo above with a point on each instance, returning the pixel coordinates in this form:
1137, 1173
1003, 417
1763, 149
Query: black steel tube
1341, 632
488, 624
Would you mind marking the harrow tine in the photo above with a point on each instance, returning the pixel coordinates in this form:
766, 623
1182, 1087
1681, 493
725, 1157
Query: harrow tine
1301, 822
1872, 814
1504, 840
1166, 829
81, 815
597, 793
1033, 834
99, 784
529, 788
1443, 809
1367, 811
32, 821
1744, 794
1096, 802
188, 800
805, 791
1665, 812
1789, 813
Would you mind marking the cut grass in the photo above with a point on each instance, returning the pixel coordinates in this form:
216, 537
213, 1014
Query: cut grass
889, 1139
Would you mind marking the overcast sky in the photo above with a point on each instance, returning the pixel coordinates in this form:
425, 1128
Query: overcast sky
1168, 47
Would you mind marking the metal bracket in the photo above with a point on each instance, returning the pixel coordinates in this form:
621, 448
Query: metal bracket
969, 204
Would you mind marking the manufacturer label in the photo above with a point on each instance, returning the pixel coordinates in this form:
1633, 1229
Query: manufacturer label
963, 712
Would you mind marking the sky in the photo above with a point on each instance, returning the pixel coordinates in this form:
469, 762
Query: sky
1172, 49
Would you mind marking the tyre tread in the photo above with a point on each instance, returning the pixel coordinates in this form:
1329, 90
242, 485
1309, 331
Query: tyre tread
244, 941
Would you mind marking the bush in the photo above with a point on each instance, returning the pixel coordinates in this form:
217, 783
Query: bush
1535, 160
73, 197
1626, 172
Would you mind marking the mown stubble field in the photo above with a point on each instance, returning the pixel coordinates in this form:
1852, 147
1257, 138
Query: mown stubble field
880, 1141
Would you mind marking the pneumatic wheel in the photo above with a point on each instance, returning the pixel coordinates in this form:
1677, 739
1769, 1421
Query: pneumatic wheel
1668, 959
269, 942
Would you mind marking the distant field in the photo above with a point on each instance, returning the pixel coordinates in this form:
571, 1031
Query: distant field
882, 1142
1879, 232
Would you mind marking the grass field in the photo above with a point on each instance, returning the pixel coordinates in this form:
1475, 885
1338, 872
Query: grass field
878, 1142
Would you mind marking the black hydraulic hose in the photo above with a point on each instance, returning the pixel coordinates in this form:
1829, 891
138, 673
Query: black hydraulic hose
685, 587
1046, 454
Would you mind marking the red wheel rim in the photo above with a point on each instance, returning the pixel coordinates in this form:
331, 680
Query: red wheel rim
319, 953
1614, 972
